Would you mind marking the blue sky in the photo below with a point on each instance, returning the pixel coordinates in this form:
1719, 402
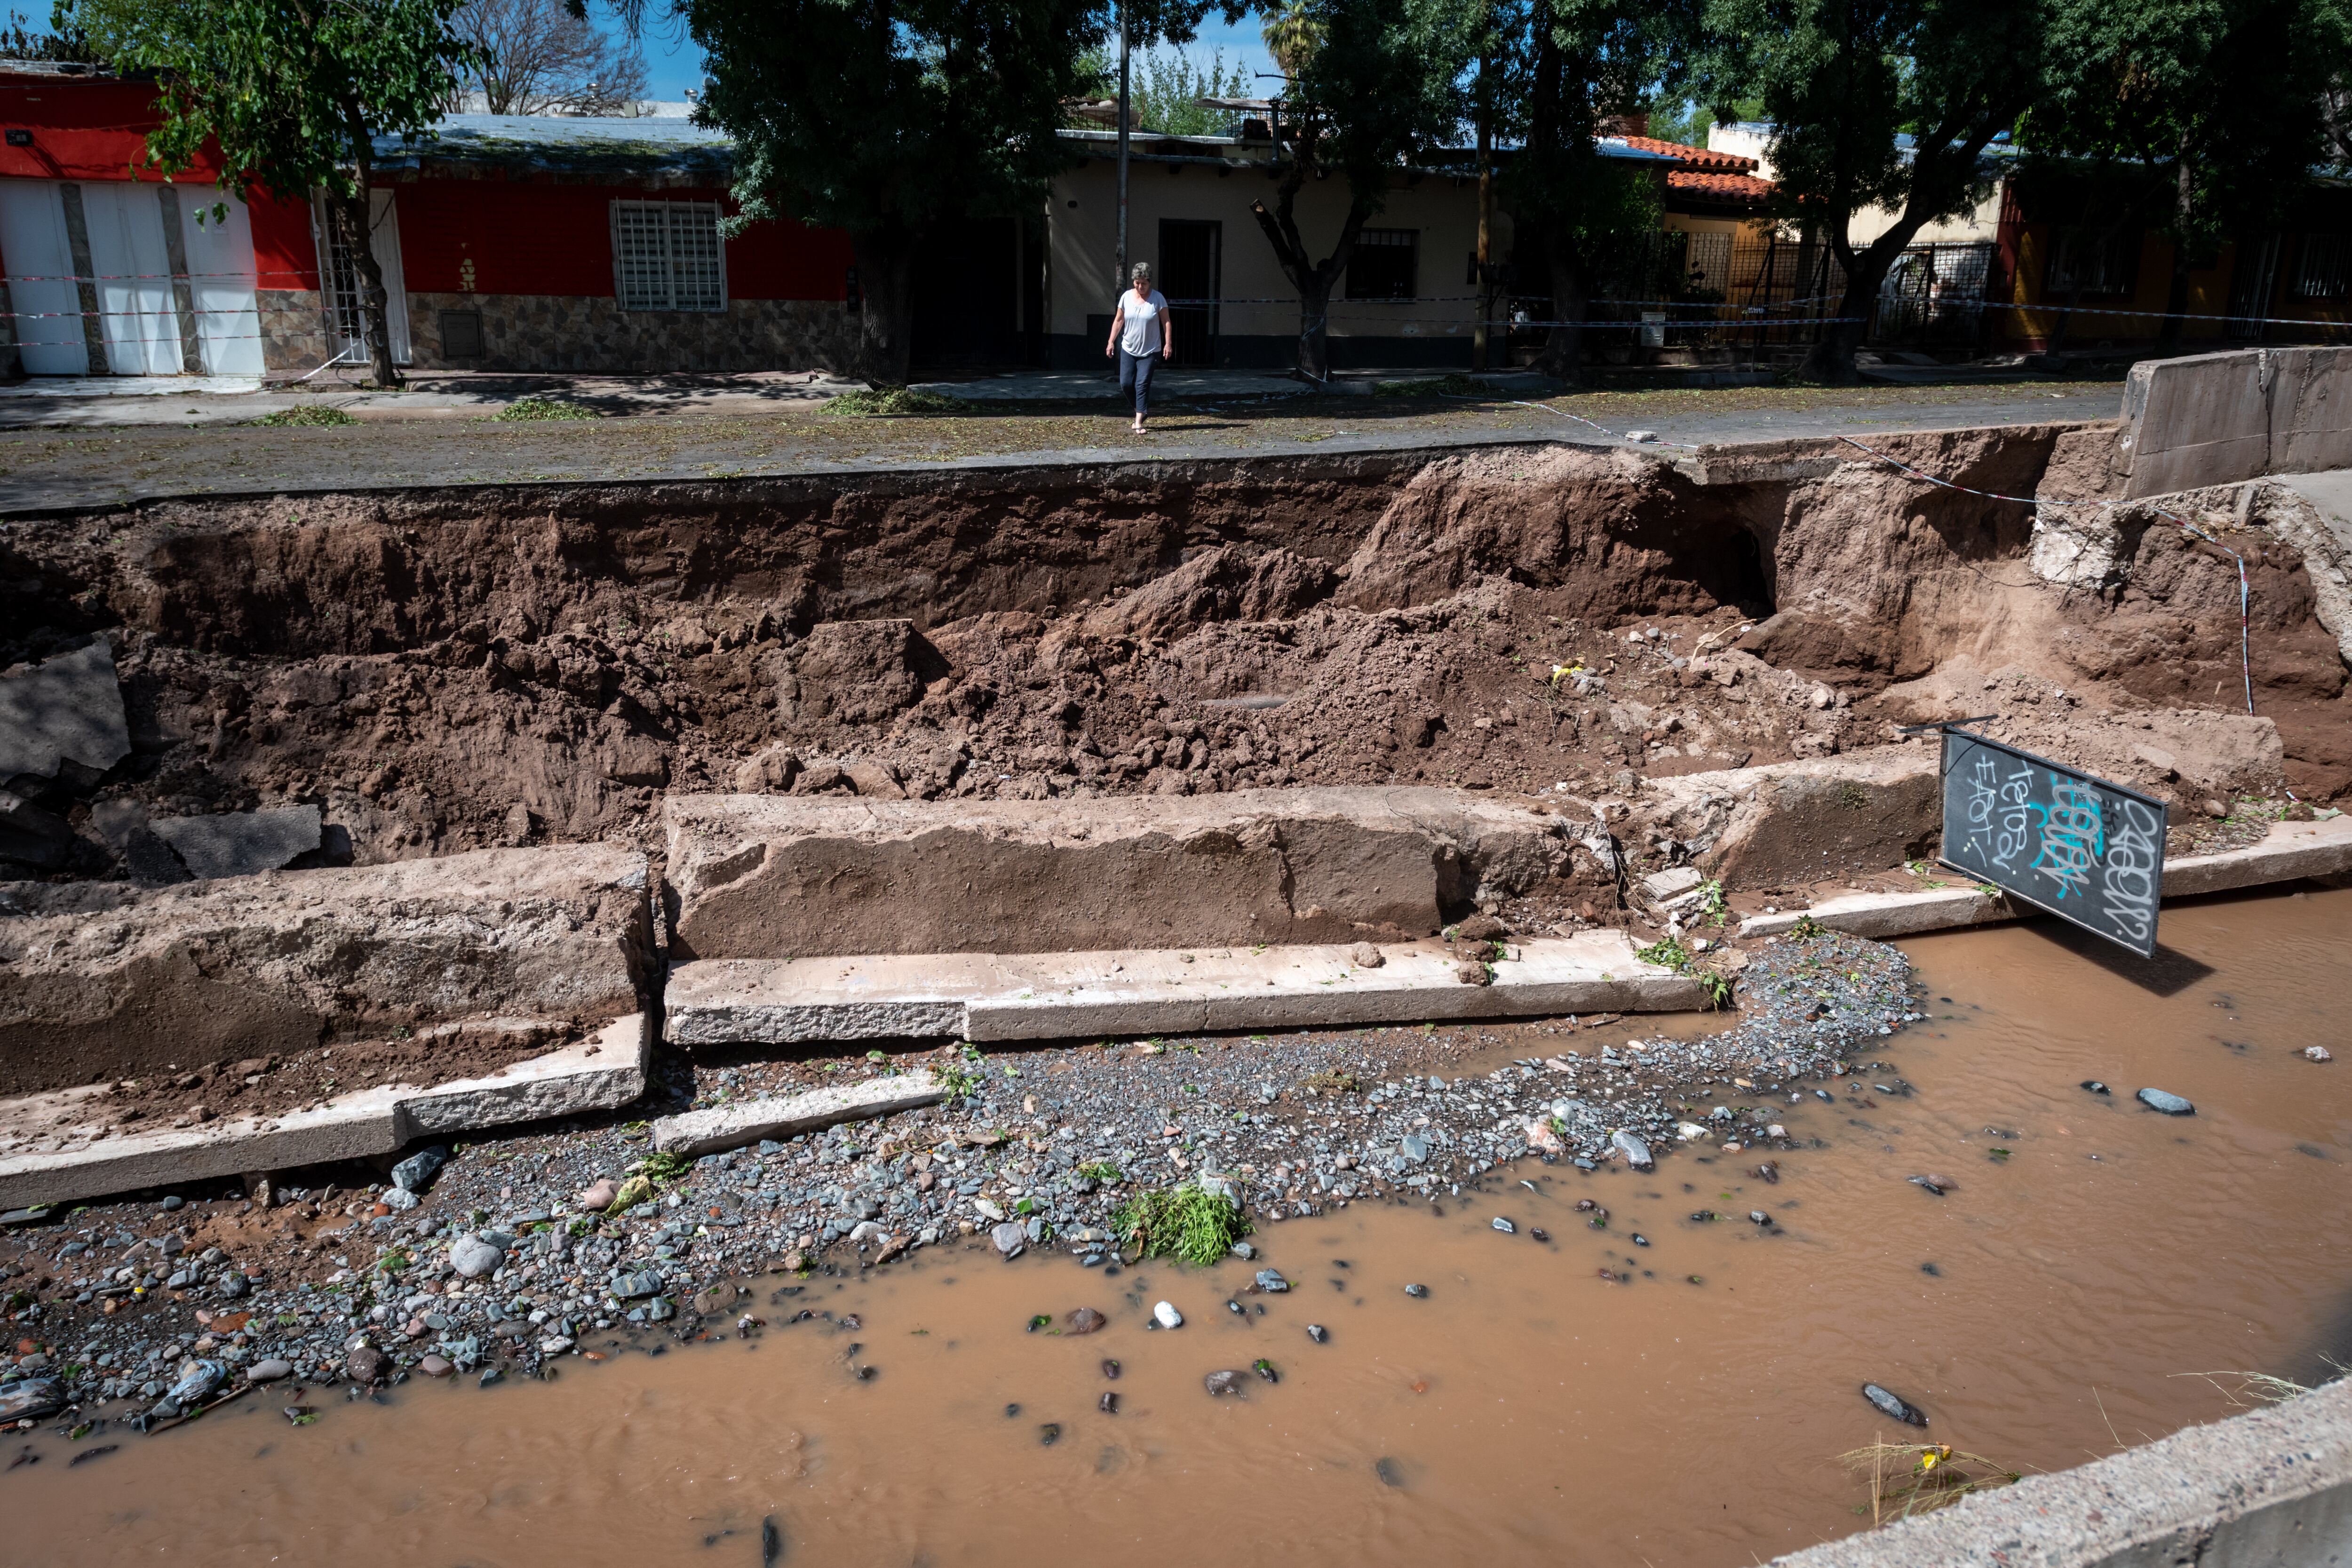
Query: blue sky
675, 64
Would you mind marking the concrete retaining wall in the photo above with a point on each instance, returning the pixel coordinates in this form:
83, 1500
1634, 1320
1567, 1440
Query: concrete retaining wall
2271, 1489
2219, 419
103, 980
781, 875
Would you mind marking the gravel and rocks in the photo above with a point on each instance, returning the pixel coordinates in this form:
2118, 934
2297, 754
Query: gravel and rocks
506, 1261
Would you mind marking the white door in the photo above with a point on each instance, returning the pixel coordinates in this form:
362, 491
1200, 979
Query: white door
342, 280
39, 262
221, 280
133, 267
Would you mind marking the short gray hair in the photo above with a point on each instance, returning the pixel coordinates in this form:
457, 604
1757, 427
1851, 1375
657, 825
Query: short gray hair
1140, 269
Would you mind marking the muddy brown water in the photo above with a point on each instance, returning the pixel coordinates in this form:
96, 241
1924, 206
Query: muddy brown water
1526, 1410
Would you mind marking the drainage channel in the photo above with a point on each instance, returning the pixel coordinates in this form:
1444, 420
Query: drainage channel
1658, 1386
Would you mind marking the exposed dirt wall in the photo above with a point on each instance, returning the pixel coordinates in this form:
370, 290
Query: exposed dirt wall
448, 669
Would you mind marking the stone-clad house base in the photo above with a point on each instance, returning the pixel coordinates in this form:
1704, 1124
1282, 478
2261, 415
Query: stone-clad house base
579, 334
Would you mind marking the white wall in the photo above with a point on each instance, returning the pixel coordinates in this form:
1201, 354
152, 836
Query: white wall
1750, 140
1083, 244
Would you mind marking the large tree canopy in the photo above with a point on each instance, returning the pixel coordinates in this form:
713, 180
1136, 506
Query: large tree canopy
2200, 117
293, 93
1567, 67
893, 120
1373, 82
1878, 103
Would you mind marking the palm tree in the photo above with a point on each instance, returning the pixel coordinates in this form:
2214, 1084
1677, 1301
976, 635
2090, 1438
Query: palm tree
1292, 37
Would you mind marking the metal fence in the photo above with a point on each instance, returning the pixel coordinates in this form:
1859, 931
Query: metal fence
1750, 295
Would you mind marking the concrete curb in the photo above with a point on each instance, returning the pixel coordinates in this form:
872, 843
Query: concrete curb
732, 1126
2294, 850
2271, 1487
1075, 995
45, 1159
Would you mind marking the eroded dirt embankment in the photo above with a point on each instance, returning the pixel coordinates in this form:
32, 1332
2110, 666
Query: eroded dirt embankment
447, 669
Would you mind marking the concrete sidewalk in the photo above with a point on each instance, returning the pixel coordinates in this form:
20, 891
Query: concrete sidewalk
76, 401
776, 430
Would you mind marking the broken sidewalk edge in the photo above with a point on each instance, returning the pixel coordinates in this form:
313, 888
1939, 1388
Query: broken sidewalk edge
41, 1162
2292, 850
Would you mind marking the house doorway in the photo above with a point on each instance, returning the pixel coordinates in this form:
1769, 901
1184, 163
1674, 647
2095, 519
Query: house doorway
339, 276
1189, 254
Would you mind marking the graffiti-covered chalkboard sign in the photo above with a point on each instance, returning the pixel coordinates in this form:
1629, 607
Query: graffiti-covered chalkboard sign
2085, 851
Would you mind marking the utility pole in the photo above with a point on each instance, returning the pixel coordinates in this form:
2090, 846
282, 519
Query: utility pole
1118, 280
1479, 348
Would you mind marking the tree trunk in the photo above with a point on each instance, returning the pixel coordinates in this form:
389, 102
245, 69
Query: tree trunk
2176, 298
1831, 359
1314, 326
1563, 350
350, 215
885, 286
1312, 280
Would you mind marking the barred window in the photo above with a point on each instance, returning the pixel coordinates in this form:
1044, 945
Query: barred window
1382, 265
2326, 269
667, 256
2101, 264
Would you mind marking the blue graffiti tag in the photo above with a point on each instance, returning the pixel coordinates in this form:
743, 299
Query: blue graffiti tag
2073, 835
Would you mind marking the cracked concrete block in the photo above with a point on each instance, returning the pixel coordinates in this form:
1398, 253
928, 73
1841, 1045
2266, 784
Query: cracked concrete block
240, 842
63, 710
767, 876
1799, 822
102, 980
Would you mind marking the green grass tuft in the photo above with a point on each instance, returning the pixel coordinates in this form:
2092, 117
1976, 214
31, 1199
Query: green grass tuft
1453, 386
1186, 1222
1669, 953
888, 400
318, 414
524, 408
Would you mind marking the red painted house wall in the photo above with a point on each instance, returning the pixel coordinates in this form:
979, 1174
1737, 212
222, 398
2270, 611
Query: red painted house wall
82, 130
285, 252
531, 237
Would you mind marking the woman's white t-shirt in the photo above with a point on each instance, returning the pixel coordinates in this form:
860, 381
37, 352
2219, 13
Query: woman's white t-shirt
1139, 322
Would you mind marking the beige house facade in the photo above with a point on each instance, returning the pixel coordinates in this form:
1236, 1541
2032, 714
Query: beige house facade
1409, 297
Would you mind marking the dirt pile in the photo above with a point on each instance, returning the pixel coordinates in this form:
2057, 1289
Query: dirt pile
444, 670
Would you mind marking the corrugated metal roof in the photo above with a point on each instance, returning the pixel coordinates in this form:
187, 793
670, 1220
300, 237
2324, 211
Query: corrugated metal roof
573, 143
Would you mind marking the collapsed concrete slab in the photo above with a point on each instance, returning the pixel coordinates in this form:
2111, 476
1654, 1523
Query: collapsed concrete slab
51, 1150
769, 877
63, 712
2292, 851
1802, 821
732, 1126
102, 980
1077, 996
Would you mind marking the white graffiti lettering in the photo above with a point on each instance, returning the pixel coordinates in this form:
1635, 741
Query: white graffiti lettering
2016, 818
2135, 867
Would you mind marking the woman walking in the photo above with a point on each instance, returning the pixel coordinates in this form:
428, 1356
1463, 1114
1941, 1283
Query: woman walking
1139, 330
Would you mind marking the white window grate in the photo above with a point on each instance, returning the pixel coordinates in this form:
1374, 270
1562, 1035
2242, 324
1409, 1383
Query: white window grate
667, 256
2326, 269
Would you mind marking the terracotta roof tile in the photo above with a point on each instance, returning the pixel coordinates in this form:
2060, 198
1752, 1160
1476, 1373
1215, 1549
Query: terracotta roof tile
1747, 187
1694, 157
